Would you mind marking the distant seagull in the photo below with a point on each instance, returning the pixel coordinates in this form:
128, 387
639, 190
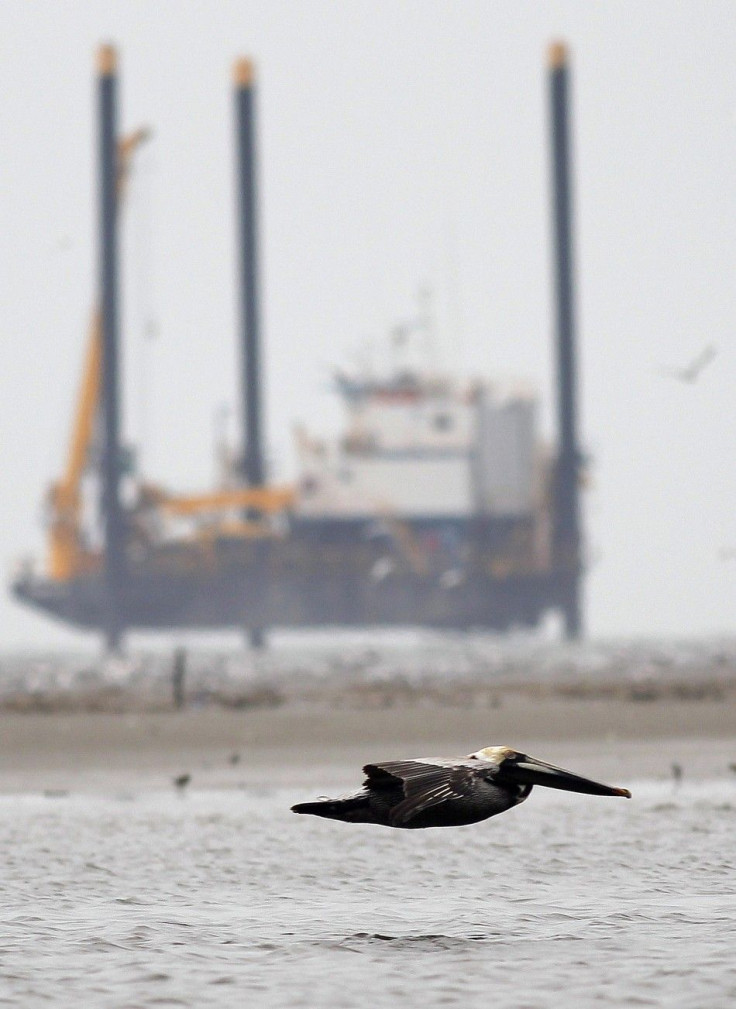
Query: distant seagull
382, 568
451, 578
449, 793
182, 781
691, 372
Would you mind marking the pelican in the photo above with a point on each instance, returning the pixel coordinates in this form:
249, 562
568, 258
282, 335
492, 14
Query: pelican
438, 792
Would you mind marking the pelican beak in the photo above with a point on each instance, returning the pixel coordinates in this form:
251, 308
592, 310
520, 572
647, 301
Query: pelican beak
525, 770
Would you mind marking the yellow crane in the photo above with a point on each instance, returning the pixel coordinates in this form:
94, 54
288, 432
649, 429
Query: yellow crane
67, 555
260, 499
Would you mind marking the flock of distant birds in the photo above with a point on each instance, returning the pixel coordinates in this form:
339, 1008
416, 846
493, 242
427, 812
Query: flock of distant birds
440, 792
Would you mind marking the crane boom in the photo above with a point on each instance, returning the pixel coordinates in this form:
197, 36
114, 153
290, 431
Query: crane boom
66, 554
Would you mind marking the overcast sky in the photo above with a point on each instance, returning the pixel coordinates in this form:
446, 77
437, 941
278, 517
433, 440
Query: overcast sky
401, 144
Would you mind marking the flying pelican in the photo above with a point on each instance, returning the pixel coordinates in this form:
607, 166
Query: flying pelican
437, 792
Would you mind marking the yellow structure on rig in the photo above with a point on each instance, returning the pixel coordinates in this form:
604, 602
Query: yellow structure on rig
68, 555
440, 508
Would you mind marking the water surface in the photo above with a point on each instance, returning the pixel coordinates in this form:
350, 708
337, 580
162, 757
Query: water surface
223, 898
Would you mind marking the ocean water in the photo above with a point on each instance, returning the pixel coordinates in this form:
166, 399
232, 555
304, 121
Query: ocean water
225, 898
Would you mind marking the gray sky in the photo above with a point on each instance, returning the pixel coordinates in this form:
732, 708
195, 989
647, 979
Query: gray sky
401, 144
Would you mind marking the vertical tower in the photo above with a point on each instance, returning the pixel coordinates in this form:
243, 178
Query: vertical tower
252, 467
252, 461
566, 503
113, 518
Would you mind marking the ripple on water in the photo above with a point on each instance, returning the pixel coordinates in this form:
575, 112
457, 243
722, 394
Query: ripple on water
228, 897
411, 943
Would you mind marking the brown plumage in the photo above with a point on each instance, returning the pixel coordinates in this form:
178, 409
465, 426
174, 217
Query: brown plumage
429, 792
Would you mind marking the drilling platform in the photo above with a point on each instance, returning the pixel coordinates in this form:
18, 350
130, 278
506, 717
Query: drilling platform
439, 507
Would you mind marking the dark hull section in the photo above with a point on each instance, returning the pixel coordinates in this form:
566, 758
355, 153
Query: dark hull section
449, 575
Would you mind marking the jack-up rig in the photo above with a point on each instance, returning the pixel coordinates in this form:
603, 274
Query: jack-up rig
438, 507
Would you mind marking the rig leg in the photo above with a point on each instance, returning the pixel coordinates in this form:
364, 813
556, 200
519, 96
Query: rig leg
178, 674
571, 614
256, 638
114, 640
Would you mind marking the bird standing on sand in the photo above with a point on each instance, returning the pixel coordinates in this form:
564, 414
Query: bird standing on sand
430, 792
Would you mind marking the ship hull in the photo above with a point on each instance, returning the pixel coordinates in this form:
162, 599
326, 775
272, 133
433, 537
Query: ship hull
454, 576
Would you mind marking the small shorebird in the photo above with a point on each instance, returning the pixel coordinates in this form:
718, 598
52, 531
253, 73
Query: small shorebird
430, 792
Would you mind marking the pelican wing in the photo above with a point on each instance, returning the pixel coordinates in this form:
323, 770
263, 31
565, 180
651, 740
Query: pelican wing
424, 784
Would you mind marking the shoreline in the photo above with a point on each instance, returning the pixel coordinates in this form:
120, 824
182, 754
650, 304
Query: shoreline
299, 744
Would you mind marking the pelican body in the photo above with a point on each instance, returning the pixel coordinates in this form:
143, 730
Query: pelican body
429, 792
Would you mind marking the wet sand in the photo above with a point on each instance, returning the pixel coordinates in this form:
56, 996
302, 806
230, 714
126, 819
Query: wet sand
302, 744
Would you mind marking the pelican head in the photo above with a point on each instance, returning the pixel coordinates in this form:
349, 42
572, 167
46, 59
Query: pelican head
521, 769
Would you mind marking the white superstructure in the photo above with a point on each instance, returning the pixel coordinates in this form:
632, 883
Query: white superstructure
422, 447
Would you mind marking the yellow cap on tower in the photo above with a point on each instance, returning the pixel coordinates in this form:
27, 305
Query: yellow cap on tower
557, 53
107, 60
243, 72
